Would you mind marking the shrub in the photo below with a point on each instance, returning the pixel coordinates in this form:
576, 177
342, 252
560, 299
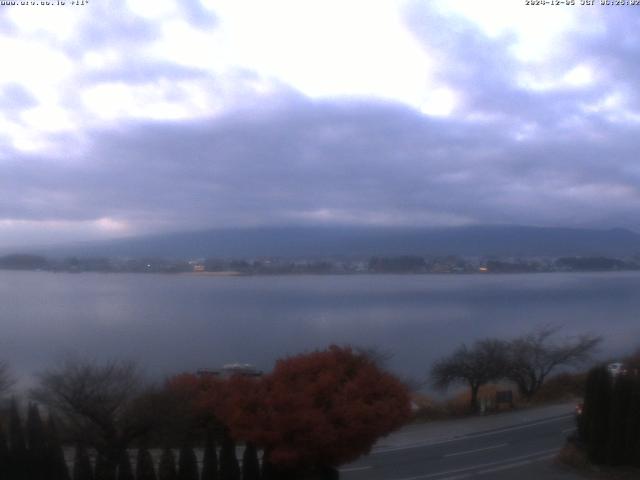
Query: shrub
428, 409
167, 467
104, 469
38, 467
210, 459
18, 454
229, 468
82, 465
4, 452
563, 386
573, 456
124, 467
250, 463
144, 465
57, 464
187, 464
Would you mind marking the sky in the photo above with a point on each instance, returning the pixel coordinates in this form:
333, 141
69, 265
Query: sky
124, 118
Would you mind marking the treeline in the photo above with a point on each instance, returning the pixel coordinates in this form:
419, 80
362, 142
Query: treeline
36, 453
525, 361
93, 264
312, 413
609, 425
595, 264
24, 262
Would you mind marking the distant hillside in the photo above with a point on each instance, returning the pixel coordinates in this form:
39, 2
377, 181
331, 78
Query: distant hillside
360, 241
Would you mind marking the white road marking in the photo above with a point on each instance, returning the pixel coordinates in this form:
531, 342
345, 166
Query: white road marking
514, 465
469, 436
491, 447
498, 469
355, 469
502, 463
458, 477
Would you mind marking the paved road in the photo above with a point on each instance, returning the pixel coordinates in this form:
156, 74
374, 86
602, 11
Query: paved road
523, 451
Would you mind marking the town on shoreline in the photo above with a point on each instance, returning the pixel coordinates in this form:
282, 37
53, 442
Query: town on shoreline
412, 264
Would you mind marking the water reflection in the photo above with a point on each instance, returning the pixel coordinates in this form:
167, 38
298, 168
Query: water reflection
173, 323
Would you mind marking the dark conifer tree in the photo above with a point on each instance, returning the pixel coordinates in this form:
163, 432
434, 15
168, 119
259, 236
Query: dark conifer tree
104, 469
210, 459
619, 420
37, 445
4, 455
187, 464
82, 464
250, 463
57, 465
632, 440
229, 468
167, 468
596, 415
144, 466
268, 471
17, 446
125, 472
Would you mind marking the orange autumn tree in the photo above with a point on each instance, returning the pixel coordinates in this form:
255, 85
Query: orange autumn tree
315, 410
320, 409
211, 396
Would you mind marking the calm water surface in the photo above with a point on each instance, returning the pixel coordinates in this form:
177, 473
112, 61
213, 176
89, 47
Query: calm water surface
173, 323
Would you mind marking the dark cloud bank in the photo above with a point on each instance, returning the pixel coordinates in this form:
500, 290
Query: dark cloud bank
515, 156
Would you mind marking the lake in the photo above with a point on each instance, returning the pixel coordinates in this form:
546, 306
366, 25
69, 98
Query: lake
172, 323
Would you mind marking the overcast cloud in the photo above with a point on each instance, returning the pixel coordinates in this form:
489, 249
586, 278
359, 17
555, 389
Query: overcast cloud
122, 118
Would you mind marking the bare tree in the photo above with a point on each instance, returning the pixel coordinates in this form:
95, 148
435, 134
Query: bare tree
532, 357
483, 362
6, 378
101, 403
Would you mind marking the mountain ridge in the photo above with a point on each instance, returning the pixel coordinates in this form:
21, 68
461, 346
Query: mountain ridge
310, 242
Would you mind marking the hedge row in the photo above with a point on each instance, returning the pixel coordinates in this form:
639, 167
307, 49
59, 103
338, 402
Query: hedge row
33, 451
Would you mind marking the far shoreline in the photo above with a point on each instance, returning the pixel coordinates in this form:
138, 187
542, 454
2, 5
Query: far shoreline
233, 273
